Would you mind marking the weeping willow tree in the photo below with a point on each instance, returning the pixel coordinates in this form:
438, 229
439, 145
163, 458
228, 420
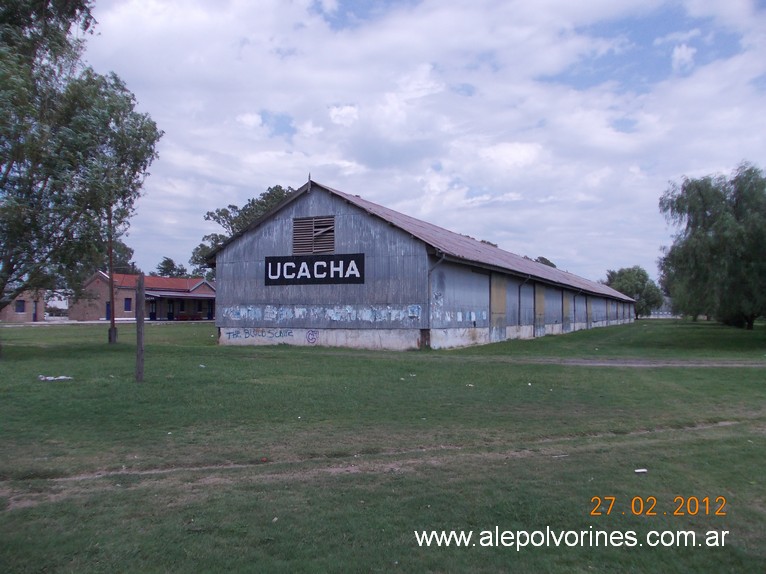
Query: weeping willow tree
716, 264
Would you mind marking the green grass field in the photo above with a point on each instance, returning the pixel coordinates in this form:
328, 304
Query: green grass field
280, 459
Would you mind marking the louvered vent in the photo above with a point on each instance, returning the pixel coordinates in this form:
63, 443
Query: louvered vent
314, 235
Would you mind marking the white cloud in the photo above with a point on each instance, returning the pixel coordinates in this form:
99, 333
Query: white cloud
250, 120
511, 156
344, 115
470, 115
678, 37
683, 58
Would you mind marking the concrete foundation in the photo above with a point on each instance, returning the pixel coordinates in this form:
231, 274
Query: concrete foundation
378, 339
385, 339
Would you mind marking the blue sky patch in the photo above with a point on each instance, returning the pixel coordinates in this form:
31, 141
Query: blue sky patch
652, 48
353, 13
624, 125
278, 124
464, 89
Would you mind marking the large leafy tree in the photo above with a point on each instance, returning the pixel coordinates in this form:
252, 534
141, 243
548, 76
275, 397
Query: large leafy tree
122, 260
73, 150
169, 268
636, 283
234, 220
716, 264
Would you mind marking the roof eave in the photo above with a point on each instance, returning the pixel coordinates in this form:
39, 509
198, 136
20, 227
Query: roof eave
489, 267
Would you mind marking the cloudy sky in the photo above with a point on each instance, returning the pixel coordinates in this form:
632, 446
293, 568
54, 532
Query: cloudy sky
549, 127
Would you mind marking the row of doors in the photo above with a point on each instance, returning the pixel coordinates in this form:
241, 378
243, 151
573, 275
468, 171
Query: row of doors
498, 287
170, 310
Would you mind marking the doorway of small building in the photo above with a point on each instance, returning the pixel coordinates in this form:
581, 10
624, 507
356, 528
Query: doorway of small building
171, 310
108, 311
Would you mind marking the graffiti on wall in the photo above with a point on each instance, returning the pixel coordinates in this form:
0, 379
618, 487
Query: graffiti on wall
336, 313
274, 335
258, 333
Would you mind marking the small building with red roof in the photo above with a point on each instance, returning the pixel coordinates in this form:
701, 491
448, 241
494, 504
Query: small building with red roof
166, 298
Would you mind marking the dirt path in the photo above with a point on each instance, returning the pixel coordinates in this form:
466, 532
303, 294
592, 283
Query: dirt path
394, 461
610, 362
643, 363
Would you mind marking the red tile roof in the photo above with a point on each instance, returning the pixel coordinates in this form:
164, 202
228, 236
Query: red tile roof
122, 280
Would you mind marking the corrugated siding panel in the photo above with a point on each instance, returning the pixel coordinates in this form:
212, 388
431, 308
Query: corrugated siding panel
569, 311
459, 297
580, 309
598, 305
527, 304
612, 311
553, 306
512, 301
394, 294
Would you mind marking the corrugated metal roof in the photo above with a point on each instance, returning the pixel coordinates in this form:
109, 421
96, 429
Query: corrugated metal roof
464, 248
454, 245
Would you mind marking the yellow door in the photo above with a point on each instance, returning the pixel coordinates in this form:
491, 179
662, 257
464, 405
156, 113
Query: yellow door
498, 287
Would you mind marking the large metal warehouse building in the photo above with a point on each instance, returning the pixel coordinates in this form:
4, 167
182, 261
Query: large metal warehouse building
329, 268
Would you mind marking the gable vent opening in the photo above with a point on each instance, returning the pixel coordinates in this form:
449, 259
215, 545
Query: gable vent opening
314, 235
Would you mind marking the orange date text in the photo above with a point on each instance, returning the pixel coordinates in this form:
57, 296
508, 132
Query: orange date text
649, 506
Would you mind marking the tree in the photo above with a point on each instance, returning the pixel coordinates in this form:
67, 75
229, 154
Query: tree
715, 265
73, 150
235, 220
123, 259
168, 268
636, 284
541, 259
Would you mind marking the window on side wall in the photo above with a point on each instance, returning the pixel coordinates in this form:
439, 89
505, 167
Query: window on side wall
21, 306
128, 304
313, 235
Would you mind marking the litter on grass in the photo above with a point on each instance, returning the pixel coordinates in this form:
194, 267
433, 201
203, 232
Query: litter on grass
59, 378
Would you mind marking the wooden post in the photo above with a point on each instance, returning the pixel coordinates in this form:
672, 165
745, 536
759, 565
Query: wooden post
110, 249
140, 309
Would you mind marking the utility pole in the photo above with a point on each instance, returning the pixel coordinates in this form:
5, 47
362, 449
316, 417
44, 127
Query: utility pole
140, 308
